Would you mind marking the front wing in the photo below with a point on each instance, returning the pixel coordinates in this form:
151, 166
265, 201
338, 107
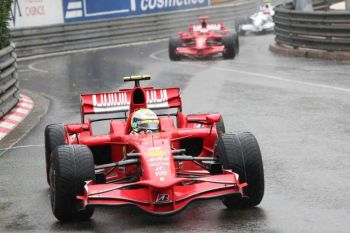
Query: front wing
168, 199
199, 53
269, 26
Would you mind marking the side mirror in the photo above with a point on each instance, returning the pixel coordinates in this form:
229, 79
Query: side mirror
213, 118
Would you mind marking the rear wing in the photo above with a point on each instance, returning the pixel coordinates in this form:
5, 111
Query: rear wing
210, 27
114, 102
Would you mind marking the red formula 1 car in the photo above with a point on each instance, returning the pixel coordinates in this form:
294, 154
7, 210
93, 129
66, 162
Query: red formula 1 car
187, 158
204, 40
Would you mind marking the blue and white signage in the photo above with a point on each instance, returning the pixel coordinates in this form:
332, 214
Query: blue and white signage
78, 10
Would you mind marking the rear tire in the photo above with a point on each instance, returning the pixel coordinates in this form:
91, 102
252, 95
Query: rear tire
174, 43
54, 137
229, 42
71, 166
240, 152
241, 32
220, 127
241, 20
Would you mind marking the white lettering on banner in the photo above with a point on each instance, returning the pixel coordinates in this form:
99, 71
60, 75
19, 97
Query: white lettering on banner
153, 4
133, 5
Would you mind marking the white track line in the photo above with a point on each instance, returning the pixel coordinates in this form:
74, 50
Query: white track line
266, 76
90, 49
31, 67
22, 147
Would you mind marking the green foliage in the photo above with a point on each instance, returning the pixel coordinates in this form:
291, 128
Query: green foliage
5, 7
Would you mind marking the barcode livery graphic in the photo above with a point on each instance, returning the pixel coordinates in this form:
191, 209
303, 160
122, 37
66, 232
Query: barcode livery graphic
121, 101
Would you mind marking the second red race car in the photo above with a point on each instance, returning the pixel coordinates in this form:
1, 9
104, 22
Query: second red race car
158, 162
204, 40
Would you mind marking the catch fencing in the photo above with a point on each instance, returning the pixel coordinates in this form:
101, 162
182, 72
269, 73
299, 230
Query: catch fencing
9, 91
322, 30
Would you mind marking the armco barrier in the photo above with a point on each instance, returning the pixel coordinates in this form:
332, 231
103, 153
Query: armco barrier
75, 36
319, 30
9, 92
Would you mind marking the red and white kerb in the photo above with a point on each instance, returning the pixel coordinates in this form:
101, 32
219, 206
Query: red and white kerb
16, 116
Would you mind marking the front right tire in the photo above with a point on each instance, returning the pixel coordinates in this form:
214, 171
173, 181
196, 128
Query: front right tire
240, 153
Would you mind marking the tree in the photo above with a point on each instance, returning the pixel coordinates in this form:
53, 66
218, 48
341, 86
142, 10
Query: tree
5, 7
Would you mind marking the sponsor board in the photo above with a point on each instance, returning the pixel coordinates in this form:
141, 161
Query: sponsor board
32, 13
80, 10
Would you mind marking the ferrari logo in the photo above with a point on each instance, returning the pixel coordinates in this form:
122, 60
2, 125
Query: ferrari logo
162, 198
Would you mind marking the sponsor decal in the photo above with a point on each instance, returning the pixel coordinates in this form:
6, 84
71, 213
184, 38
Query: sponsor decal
158, 160
124, 152
156, 152
110, 102
120, 101
210, 27
161, 171
198, 126
161, 198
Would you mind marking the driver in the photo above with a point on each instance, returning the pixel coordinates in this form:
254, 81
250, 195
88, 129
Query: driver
144, 120
266, 9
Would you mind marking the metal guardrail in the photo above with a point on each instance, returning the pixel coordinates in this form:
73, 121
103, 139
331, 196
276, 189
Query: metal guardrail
82, 35
323, 30
9, 91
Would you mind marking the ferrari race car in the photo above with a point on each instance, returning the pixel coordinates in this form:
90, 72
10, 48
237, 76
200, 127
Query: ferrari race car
184, 159
204, 40
259, 22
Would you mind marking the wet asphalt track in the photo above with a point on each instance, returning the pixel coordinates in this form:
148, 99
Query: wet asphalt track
299, 109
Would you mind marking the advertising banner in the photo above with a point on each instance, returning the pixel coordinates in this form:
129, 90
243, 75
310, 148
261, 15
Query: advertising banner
30, 13
80, 10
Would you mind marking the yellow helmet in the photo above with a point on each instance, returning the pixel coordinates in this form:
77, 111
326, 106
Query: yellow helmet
144, 119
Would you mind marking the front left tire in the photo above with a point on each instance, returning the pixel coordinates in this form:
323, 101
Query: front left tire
231, 46
54, 137
71, 167
174, 43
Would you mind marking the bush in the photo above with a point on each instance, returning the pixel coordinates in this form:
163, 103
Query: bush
5, 7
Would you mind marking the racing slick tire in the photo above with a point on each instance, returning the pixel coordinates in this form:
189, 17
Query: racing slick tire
240, 152
236, 39
54, 137
174, 43
241, 21
241, 32
229, 42
71, 166
220, 126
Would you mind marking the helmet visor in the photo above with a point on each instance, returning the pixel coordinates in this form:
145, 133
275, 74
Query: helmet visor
149, 124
